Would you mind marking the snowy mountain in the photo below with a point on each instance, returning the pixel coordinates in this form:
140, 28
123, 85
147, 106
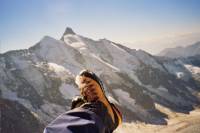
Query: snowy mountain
158, 44
178, 52
39, 81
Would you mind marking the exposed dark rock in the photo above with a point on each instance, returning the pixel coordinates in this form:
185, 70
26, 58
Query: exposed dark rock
14, 117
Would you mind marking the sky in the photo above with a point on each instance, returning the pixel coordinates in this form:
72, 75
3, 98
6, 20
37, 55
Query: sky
24, 22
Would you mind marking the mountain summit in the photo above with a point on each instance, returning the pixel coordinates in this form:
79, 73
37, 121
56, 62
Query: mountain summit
68, 31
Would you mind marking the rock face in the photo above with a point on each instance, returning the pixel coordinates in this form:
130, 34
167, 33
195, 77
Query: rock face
40, 80
68, 31
17, 118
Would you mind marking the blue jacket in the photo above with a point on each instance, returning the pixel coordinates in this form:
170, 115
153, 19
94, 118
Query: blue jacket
82, 120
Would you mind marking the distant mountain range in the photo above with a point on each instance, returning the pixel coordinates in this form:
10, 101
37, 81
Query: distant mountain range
37, 83
156, 45
184, 52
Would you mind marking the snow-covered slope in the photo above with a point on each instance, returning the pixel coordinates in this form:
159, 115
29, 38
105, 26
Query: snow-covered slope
41, 78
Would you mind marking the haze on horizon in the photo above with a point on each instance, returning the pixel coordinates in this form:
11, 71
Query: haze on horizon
140, 24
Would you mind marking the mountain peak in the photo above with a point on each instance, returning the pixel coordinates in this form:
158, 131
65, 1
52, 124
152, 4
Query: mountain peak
69, 30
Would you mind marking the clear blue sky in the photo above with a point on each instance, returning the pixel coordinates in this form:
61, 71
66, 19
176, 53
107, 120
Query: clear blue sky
25, 22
